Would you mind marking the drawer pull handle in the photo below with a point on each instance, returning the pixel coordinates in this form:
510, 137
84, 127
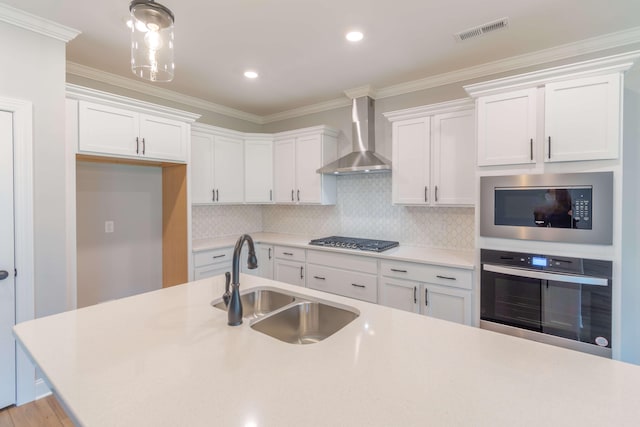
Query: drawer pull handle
446, 277
319, 278
415, 294
287, 253
301, 270
219, 256
358, 286
398, 271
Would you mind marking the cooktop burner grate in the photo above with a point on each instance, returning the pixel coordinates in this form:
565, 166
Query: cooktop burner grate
354, 243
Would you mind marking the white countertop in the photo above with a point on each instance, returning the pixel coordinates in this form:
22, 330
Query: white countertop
444, 257
167, 358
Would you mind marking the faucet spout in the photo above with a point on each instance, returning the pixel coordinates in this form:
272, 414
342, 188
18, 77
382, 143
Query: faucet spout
235, 304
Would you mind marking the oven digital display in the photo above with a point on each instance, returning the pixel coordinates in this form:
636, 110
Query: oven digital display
539, 261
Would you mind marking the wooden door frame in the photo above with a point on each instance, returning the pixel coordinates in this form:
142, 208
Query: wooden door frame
24, 234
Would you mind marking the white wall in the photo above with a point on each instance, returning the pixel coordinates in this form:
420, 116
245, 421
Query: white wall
33, 69
129, 260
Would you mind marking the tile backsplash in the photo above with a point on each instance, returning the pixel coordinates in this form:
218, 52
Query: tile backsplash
363, 209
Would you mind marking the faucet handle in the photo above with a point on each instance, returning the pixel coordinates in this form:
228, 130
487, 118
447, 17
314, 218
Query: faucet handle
227, 294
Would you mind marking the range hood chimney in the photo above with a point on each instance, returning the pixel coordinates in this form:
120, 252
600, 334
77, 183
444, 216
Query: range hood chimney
363, 158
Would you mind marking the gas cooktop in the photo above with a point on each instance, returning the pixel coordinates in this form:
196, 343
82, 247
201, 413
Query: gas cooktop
353, 243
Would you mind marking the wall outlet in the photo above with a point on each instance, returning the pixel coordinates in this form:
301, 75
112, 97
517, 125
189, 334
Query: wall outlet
108, 226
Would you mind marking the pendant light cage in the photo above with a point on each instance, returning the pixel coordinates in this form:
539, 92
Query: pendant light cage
152, 42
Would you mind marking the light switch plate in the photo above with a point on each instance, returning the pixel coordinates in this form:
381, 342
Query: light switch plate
108, 226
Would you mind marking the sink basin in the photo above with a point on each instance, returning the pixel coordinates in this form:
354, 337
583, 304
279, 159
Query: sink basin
305, 322
258, 302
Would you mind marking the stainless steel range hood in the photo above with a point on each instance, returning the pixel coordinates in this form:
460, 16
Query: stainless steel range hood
363, 158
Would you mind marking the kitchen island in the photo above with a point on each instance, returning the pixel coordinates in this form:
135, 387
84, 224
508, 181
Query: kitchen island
167, 358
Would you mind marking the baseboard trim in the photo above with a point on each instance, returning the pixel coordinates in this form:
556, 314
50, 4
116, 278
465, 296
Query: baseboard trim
42, 390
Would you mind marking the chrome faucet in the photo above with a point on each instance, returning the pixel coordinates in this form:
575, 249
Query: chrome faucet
234, 309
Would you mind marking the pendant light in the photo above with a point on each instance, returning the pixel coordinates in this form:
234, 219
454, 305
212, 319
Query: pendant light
151, 41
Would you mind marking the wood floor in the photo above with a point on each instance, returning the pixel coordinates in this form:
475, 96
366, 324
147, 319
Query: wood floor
45, 412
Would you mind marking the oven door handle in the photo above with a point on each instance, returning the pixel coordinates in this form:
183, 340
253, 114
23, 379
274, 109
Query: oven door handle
542, 275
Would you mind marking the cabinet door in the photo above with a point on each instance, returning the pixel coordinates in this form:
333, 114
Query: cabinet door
507, 128
108, 130
214, 270
201, 165
446, 303
582, 119
228, 169
258, 171
453, 159
284, 158
411, 152
289, 272
265, 261
308, 161
400, 294
163, 139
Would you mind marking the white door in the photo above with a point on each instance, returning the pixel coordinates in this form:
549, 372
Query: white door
582, 119
507, 128
284, 159
411, 160
308, 161
402, 295
258, 171
163, 139
453, 158
7, 281
291, 272
202, 186
228, 169
444, 303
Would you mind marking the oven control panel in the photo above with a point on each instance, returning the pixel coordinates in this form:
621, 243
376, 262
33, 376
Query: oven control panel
533, 261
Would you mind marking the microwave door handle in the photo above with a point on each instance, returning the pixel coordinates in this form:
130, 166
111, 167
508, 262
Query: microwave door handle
543, 275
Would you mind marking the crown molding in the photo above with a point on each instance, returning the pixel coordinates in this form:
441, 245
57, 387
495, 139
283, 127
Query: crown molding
149, 89
558, 53
309, 109
428, 110
34, 23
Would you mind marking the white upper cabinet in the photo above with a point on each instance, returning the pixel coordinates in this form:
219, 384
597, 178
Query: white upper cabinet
258, 169
567, 113
433, 154
217, 166
297, 156
582, 118
114, 131
507, 128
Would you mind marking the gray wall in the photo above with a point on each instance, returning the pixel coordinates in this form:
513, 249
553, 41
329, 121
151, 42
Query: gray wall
33, 69
129, 260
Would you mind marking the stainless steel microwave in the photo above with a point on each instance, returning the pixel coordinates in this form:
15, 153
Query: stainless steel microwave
571, 208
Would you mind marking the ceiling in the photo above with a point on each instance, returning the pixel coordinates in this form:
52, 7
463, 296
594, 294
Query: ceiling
299, 48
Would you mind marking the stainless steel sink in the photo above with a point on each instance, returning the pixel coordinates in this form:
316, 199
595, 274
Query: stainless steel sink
305, 322
258, 302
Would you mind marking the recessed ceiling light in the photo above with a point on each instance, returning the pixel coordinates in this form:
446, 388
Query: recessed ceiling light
251, 74
354, 36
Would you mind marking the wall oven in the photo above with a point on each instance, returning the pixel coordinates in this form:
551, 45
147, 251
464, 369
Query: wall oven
553, 299
571, 208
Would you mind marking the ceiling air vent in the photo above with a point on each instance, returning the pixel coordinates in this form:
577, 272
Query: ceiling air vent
482, 29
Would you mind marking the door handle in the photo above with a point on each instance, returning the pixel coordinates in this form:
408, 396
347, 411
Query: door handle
270, 195
415, 294
137, 145
549, 152
213, 195
425, 193
531, 148
301, 275
144, 146
436, 193
217, 196
4, 274
426, 297
292, 196
298, 195
269, 253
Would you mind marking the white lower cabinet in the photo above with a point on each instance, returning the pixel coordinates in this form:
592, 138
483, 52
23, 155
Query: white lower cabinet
265, 255
441, 292
212, 263
289, 265
347, 275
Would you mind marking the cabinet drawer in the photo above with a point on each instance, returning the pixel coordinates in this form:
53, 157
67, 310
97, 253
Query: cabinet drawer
214, 270
446, 276
213, 257
293, 254
342, 282
348, 262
